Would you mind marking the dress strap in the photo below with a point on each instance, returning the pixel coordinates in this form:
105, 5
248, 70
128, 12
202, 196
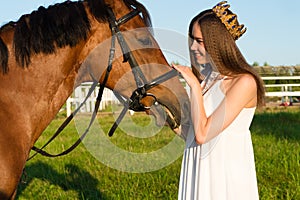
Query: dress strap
224, 77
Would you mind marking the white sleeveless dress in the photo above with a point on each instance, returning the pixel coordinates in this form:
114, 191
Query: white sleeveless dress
223, 168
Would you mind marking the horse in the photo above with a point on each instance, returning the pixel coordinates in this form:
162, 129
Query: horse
45, 54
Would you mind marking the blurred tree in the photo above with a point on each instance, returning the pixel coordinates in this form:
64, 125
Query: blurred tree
255, 64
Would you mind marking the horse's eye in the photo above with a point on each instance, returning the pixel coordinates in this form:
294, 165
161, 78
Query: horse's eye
145, 41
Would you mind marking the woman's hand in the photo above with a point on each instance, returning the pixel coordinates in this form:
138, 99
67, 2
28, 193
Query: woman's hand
187, 74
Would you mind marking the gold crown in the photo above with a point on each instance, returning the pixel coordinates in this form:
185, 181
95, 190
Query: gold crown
229, 20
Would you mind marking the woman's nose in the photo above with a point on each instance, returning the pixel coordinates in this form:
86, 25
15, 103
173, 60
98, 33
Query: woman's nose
194, 45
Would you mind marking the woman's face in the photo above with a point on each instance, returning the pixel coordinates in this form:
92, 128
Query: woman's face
197, 45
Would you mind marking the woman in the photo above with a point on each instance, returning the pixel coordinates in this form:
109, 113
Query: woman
218, 161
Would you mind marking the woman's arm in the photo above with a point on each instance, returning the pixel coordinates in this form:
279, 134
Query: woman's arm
240, 94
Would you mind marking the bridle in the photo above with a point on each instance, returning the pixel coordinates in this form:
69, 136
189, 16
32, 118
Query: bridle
133, 103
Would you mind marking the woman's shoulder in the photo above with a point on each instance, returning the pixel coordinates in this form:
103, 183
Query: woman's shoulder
246, 79
240, 82
243, 86
241, 79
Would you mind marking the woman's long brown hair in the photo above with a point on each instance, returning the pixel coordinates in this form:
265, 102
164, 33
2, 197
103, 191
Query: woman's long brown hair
223, 50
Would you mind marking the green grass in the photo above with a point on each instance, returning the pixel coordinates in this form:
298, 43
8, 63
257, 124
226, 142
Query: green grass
79, 175
276, 136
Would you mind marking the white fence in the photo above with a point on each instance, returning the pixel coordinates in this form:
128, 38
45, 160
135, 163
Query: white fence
287, 91
79, 95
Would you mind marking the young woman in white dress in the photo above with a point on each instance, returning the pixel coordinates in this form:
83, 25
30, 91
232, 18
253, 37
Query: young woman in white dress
218, 161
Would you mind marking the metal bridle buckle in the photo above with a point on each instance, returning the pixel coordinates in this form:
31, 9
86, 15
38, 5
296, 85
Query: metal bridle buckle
136, 97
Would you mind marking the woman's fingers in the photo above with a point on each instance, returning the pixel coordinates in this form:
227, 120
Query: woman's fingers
187, 74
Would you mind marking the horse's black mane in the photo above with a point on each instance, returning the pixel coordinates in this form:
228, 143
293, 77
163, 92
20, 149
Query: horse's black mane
59, 25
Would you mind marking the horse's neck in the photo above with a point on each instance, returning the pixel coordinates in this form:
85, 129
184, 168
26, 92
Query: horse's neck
35, 94
41, 89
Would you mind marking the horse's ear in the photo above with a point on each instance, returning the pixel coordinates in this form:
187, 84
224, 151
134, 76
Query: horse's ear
116, 4
98, 9
110, 3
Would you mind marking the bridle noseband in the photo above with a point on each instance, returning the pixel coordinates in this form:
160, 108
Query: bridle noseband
133, 103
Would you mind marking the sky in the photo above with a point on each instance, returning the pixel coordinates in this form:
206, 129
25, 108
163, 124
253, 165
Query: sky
273, 31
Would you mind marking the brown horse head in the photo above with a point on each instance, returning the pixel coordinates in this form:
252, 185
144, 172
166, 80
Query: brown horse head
47, 53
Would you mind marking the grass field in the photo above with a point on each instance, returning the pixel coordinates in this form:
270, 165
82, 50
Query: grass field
79, 175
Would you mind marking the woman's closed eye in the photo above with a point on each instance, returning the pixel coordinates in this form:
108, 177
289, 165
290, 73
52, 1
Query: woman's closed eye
199, 41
